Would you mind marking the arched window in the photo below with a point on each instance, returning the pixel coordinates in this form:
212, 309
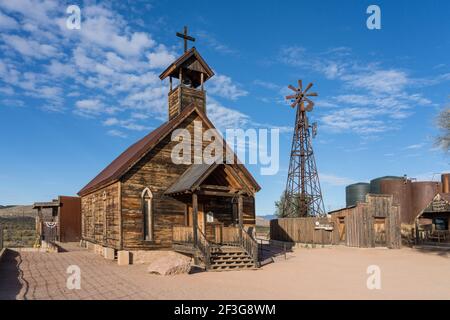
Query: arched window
147, 212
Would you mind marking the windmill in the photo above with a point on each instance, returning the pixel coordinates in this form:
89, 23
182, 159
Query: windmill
303, 196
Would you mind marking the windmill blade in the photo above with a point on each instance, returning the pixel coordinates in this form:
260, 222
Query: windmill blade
292, 96
312, 94
294, 103
308, 87
310, 105
300, 85
292, 88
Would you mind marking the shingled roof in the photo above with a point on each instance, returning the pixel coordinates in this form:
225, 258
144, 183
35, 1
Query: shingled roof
125, 161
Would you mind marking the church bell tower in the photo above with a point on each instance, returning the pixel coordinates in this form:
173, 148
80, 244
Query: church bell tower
192, 72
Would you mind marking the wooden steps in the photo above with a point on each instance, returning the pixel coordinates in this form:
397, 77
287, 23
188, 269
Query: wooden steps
223, 258
230, 258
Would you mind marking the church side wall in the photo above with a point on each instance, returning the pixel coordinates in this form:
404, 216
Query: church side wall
100, 222
156, 172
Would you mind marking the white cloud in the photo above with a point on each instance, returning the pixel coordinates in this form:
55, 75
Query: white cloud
267, 85
414, 146
334, 180
117, 133
12, 103
223, 86
160, 58
226, 118
102, 28
129, 124
212, 42
373, 99
37, 11
7, 90
30, 48
379, 81
7, 22
92, 107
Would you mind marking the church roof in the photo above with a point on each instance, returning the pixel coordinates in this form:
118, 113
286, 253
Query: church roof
191, 177
116, 169
188, 58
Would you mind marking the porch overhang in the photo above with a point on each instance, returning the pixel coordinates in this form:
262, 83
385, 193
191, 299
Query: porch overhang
193, 181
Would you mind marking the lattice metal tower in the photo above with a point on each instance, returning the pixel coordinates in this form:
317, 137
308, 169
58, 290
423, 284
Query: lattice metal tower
303, 196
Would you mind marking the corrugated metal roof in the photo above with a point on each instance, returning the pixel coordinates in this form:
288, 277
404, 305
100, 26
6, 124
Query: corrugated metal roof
190, 178
120, 165
135, 152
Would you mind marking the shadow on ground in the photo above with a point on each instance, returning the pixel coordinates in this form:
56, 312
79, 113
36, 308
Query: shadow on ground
10, 276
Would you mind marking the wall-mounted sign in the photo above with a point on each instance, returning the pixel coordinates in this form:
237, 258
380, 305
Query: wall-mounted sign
323, 226
209, 217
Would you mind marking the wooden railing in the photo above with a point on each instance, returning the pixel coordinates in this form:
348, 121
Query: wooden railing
249, 244
204, 247
183, 234
232, 236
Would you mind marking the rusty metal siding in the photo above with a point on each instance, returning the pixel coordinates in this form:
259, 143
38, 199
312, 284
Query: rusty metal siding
70, 219
423, 193
445, 181
401, 190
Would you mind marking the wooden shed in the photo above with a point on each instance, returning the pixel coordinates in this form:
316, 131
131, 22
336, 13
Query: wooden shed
369, 224
64, 222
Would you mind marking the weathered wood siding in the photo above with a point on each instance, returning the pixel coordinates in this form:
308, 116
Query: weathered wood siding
181, 97
157, 172
360, 222
302, 230
100, 221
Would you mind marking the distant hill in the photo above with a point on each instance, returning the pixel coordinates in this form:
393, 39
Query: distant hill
18, 211
264, 221
269, 217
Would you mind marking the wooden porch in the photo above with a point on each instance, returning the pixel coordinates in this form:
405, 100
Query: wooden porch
214, 223
233, 248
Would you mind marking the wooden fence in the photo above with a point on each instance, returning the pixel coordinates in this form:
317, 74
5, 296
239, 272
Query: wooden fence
304, 230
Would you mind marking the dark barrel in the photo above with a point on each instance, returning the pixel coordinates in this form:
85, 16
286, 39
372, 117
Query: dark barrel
356, 193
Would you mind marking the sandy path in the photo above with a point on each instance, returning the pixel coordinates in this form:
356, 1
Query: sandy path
321, 273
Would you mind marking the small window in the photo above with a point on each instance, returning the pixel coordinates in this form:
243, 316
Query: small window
441, 223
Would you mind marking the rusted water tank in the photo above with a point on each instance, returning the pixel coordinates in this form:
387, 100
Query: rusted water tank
423, 193
401, 191
445, 180
356, 193
375, 184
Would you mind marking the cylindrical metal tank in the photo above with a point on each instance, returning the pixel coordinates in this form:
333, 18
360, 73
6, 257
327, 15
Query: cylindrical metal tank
375, 184
400, 189
423, 193
445, 180
356, 193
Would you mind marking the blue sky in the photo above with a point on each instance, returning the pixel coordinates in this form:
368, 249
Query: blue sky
72, 100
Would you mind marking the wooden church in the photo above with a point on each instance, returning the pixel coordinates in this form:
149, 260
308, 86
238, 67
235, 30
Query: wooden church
143, 201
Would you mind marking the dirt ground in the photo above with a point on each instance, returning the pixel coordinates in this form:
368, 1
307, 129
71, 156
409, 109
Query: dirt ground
320, 273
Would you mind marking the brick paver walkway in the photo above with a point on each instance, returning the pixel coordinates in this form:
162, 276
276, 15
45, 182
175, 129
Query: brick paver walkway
32, 275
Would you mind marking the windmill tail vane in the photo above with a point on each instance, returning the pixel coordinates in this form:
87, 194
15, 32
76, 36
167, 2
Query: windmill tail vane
303, 195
